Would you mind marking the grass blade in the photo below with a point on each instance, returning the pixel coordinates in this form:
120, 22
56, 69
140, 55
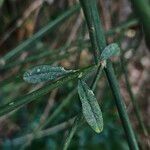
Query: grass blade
39, 34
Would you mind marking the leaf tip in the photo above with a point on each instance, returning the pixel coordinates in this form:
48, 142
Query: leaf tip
80, 76
98, 130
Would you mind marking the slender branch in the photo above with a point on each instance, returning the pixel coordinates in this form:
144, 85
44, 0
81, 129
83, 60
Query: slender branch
77, 122
23, 100
48, 107
20, 48
122, 26
133, 100
43, 133
58, 110
142, 9
35, 5
79, 118
98, 40
97, 77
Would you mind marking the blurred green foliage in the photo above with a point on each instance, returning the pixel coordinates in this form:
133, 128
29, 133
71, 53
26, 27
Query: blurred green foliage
53, 48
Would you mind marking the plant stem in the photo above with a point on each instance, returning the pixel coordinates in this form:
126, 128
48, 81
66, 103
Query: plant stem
79, 117
57, 111
23, 100
77, 122
133, 100
122, 26
142, 9
98, 40
50, 131
97, 77
37, 36
121, 107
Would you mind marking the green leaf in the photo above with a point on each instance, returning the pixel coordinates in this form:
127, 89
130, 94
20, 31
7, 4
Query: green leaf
90, 107
109, 51
25, 99
44, 73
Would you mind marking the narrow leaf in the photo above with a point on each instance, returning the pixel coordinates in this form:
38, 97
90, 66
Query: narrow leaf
44, 73
109, 51
90, 107
18, 102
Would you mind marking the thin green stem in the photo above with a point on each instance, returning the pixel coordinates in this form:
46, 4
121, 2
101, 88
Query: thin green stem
133, 100
37, 36
52, 116
23, 100
78, 119
121, 107
57, 111
93, 21
50, 131
142, 9
123, 26
97, 77
100, 68
33, 59
77, 122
